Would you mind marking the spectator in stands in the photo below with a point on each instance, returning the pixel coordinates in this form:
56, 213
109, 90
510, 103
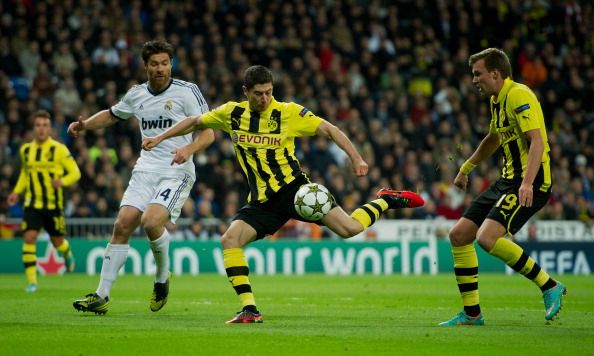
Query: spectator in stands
564, 50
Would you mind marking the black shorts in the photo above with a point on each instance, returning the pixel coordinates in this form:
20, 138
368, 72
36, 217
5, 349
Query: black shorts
501, 203
266, 218
51, 220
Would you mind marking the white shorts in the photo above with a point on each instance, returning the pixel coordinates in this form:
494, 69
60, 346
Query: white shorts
147, 188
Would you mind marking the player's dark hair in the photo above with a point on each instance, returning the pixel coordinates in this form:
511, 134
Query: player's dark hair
257, 75
155, 47
41, 113
495, 59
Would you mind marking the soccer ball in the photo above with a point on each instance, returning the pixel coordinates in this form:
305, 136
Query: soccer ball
313, 201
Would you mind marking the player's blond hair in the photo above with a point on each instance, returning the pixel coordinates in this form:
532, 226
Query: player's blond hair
495, 59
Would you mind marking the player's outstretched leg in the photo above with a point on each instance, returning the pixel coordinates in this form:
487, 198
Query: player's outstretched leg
400, 199
160, 293
93, 303
553, 300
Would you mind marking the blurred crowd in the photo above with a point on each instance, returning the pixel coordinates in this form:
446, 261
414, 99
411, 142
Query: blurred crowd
392, 74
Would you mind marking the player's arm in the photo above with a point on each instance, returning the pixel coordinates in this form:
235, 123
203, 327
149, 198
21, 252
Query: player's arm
535, 152
204, 139
187, 125
19, 188
100, 120
486, 148
332, 132
72, 172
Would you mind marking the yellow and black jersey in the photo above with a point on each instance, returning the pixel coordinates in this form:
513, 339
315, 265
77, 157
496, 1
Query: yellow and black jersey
515, 111
40, 164
264, 142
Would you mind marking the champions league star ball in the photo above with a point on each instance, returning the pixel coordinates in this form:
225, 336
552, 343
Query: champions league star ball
313, 201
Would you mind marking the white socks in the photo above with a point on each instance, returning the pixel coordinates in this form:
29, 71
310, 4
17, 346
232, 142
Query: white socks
160, 249
114, 258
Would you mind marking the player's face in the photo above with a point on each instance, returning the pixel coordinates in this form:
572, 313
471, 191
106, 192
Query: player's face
259, 96
485, 81
42, 129
158, 70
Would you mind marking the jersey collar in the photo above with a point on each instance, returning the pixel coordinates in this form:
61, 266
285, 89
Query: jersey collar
45, 143
155, 93
507, 84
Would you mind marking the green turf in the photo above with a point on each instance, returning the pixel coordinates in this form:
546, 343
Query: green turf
303, 315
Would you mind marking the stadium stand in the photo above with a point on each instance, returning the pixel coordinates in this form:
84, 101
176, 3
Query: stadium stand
393, 75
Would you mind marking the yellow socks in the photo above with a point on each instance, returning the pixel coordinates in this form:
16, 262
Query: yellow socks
30, 262
237, 271
370, 212
466, 271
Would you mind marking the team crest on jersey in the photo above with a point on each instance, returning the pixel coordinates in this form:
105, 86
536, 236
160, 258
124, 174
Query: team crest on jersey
272, 125
168, 105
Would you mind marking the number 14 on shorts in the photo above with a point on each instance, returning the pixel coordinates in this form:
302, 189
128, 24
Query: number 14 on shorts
163, 194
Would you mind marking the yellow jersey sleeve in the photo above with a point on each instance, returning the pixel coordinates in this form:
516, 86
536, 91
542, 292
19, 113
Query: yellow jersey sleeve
525, 107
21, 184
219, 118
69, 164
303, 122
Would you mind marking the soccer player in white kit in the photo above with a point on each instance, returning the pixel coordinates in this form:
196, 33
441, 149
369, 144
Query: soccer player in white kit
162, 178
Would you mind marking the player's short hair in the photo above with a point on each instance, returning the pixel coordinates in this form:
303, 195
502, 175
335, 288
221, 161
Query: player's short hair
41, 113
155, 47
257, 75
495, 59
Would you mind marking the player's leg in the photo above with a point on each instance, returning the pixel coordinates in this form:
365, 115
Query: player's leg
153, 221
238, 235
462, 237
30, 259
31, 225
491, 236
55, 225
114, 258
366, 215
166, 203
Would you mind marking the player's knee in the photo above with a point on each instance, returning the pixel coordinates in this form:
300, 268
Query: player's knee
485, 241
460, 237
122, 229
150, 226
230, 240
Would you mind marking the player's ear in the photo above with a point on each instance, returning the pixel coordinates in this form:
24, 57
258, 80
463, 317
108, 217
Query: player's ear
495, 74
245, 90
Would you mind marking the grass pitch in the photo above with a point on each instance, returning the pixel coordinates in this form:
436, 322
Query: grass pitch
303, 315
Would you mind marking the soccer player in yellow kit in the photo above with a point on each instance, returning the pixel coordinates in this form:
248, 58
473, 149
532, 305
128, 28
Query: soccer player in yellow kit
518, 128
46, 167
263, 132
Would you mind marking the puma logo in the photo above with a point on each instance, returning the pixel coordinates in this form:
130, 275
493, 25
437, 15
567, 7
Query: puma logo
505, 215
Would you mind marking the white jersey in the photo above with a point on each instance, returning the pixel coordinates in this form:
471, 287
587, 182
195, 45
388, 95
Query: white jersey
156, 112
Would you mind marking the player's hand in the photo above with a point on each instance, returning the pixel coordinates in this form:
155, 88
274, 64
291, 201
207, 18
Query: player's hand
57, 183
12, 199
461, 181
75, 128
360, 167
149, 143
181, 155
525, 194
